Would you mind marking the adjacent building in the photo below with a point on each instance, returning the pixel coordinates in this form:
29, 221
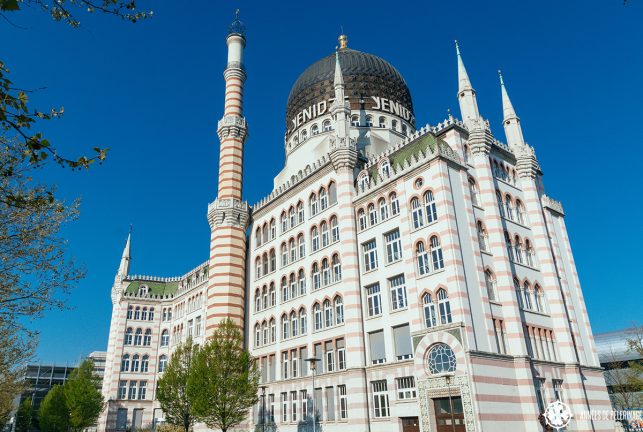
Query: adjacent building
424, 268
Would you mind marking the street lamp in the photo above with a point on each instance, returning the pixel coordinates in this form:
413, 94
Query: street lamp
263, 408
448, 379
313, 366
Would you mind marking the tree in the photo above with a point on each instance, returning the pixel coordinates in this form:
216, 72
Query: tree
172, 387
635, 345
15, 348
53, 415
224, 379
83, 399
24, 416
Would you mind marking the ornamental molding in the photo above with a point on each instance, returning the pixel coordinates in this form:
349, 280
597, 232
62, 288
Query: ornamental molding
232, 126
443, 387
526, 162
228, 212
234, 70
343, 153
480, 138
552, 204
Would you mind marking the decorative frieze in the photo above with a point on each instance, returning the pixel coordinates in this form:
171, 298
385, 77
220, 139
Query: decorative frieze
343, 153
552, 204
526, 162
234, 70
230, 212
444, 386
480, 137
232, 126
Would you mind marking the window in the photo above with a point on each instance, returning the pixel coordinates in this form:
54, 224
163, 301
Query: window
372, 214
339, 310
369, 120
122, 389
483, 237
370, 255
284, 289
284, 222
332, 193
257, 335
325, 272
293, 401
273, 229
509, 211
422, 259
303, 324
429, 311
326, 126
500, 203
323, 199
302, 282
337, 269
343, 402
263, 300
132, 390
475, 195
374, 300
382, 122
137, 313
518, 249
292, 250
558, 389
395, 205
265, 339
520, 212
341, 354
293, 286
147, 339
284, 407
394, 125
318, 316
285, 327
406, 388
328, 313
417, 213
429, 205
385, 169
444, 306
393, 246
529, 254
490, 282
138, 337
273, 260
128, 336
436, 254
304, 135
151, 314
538, 294
402, 338
324, 234
273, 330
539, 384
145, 363
499, 331
294, 324
258, 268
526, 293
273, 294
165, 338
316, 276
383, 207
330, 356
441, 359
398, 292
380, 398
518, 293
314, 130
361, 219
125, 363
363, 181
334, 229
355, 120
377, 349
144, 314
314, 234
314, 205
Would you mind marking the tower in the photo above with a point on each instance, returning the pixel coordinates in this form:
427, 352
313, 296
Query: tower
228, 215
466, 93
510, 120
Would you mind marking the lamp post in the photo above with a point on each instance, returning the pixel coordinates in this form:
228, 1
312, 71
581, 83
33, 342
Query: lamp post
313, 366
448, 379
263, 408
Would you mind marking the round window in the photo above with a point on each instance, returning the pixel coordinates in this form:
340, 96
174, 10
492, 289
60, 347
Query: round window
441, 359
418, 183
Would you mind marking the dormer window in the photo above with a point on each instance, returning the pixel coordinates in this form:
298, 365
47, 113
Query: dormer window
363, 180
394, 125
403, 128
355, 120
382, 122
143, 290
304, 135
314, 130
326, 126
385, 168
369, 121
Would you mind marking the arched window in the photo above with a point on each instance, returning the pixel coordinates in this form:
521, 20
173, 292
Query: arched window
404, 128
284, 222
526, 293
444, 306
265, 263
135, 362
483, 237
441, 359
314, 130
137, 313
144, 314
382, 122
363, 181
293, 286
314, 236
284, 289
500, 204
165, 338
372, 214
301, 280
284, 255
328, 313
395, 205
316, 276
273, 229
509, 207
325, 272
150, 316
273, 330
300, 212
518, 249
355, 120
518, 293
520, 211
339, 310
467, 154
334, 229
361, 219
473, 188
138, 337
162, 363
429, 311
273, 294
130, 311
394, 125
416, 213
301, 245
257, 300
529, 252
385, 169
325, 240
332, 193
145, 363
264, 333
292, 249
383, 209
337, 268
540, 304
294, 324
291, 217
295, 140
509, 247
285, 327
125, 363
258, 268
436, 254
369, 120
326, 126
304, 135
264, 232
318, 316
429, 205
303, 325
147, 339
490, 282
257, 335
323, 199
273, 260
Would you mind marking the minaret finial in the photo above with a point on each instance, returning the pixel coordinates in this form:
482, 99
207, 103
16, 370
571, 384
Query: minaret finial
343, 41
502, 83
457, 47
237, 27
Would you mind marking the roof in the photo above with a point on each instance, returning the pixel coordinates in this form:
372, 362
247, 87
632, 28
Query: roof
426, 142
612, 346
154, 288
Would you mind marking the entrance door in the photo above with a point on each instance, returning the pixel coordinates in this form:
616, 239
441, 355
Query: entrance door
449, 415
137, 419
410, 424
121, 419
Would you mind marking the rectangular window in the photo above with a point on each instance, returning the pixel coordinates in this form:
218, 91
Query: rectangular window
370, 255
284, 407
393, 246
293, 402
500, 336
197, 326
318, 404
122, 389
343, 402
376, 342
330, 356
303, 355
319, 357
142, 390
132, 390
402, 336
330, 403
341, 354
539, 385
271, 408
380, 399
398, 292
374, 299
294, 362
303, 394
558, 389
272, 368
190, 327
406, 388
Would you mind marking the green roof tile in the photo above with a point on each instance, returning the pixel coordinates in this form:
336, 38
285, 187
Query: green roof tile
154, 288
428, 141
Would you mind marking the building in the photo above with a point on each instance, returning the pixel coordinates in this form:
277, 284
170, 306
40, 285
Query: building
423, 267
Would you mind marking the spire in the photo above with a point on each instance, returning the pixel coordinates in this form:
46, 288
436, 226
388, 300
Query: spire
340, 109
339, 77
123, 269
510, 121
466, 93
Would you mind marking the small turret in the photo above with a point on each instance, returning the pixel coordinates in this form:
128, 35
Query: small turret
466, 93
510, 121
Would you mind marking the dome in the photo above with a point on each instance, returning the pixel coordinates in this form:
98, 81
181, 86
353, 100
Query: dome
367, 78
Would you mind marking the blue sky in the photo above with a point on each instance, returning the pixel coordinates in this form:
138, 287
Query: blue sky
152, 92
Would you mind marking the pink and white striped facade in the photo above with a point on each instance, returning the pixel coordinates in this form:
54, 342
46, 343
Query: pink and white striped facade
482, 264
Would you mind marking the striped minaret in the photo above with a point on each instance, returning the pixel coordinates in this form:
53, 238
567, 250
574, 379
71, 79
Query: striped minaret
228, 215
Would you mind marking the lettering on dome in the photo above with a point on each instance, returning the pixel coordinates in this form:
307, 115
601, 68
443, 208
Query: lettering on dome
374, 103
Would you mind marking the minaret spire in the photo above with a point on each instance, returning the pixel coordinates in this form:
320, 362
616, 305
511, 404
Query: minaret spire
123, 268
466, 93
510, 121
341, 109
